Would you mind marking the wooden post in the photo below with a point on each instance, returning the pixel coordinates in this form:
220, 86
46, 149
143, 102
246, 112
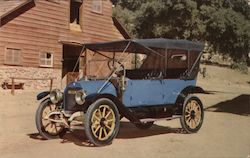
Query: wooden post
51, 84
12, 86
204, 72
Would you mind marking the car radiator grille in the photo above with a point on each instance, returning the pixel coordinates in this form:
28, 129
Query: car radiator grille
69, 100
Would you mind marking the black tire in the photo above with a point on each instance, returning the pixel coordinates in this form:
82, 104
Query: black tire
97, 122
144, 126
40, 126
192, 114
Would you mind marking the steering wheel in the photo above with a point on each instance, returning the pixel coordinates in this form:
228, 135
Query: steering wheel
112, 67
111, 64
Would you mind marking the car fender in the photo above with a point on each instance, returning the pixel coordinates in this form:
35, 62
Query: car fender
192, 90
183, 94
42, 95
124, 111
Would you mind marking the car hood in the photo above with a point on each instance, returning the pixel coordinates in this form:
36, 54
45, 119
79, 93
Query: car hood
92, 87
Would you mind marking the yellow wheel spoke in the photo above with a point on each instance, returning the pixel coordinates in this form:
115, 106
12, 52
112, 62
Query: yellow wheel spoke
95, 124
191, 124
192, 105
46, 111
100, 133
99, 112
189, 107
47, 125
54, 128
96, 130
108, 127
187, 116
104, 111
197, 120
97, 118
108, 114
110, 120
105, 132
48, 128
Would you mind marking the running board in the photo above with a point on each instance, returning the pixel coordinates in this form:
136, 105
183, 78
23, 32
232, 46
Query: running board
159, 119
74, 125
76, 128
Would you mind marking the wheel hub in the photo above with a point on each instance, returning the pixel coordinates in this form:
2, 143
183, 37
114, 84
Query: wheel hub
102, 122
192, 115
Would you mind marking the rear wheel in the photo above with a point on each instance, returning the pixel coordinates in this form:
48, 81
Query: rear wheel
102, 122
192, 114
47, 128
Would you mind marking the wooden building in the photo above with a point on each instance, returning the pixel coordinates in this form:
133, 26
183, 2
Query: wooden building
41, 38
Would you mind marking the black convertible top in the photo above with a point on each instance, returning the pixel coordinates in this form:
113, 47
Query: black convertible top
145, 45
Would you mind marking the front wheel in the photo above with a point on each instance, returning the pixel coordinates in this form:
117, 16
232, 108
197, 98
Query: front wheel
192, 114
47, 128
102, 122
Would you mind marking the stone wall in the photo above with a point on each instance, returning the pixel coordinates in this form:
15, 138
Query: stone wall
6, 72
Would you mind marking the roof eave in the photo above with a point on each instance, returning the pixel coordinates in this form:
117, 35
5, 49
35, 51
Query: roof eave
13, 13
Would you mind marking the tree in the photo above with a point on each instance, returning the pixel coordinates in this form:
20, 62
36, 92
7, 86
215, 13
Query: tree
227, 26
224, 24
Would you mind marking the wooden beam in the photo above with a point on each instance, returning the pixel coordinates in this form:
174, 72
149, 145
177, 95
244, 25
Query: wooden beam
12, 86
8, 16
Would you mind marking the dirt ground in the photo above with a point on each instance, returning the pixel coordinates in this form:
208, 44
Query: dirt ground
225, 132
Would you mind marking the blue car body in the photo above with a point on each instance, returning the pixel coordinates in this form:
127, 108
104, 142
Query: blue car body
168, 73
138, 93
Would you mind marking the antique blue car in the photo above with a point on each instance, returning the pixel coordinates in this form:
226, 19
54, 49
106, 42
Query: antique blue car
157, 83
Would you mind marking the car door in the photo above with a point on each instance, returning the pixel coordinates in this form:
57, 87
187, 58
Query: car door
173, 87
143, 93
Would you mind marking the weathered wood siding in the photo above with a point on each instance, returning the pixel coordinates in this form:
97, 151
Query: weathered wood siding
36, 30
41, 27
99, 27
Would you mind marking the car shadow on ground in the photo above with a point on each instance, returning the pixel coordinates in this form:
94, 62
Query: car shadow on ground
239, 105
127, 131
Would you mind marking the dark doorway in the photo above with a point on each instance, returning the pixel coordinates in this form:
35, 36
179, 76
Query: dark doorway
70, 62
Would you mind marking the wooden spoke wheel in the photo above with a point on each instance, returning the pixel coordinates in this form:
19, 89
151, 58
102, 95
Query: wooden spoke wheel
102, 122
192, 114
47, 128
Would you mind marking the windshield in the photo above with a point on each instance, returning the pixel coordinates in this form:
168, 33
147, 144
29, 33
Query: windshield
100, 65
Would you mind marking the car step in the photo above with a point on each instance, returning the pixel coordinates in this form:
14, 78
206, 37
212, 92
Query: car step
159, 119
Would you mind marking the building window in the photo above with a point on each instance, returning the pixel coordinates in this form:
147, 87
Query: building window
97, 6
13, 56
46, 59
75, 11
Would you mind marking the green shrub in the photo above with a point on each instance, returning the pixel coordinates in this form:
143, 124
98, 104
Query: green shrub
240, 66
